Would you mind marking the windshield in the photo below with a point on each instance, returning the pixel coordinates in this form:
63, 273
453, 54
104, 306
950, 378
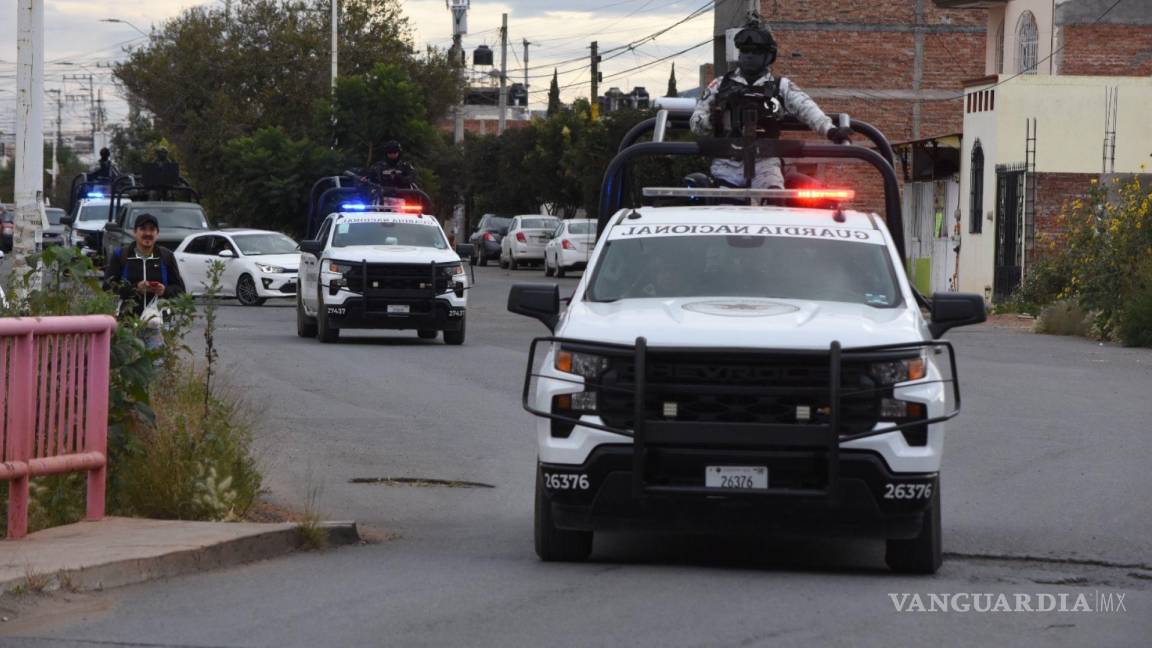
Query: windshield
386, 233
497, 224
745, 266
93, 213
260, 244
538, 223
54, 216
585, 227
182, 217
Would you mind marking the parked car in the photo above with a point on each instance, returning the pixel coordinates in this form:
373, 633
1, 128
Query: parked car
570, 246
486, 239
258, 264
177, 221
525, 240
56, 233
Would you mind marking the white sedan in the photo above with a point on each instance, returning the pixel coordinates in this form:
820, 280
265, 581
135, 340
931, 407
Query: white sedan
258, 264
524, 242
570, 246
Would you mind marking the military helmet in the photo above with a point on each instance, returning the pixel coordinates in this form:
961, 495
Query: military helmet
756, 38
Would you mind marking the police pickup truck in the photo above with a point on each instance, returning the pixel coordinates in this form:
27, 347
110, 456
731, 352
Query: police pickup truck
385, 266
727, 368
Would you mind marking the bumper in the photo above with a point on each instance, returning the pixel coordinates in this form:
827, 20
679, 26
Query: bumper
572, 259
528, 252
437, 314
491, 249
863, 501
277, 285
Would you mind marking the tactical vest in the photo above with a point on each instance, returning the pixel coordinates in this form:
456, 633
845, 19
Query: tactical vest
728, 121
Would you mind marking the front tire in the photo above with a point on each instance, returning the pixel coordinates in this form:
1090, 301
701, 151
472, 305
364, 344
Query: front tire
456, 338
552, 544
305, 326
560, 272
512, 263
324, 330
548, 271
246, 292
483, 256
427, 334
924, 553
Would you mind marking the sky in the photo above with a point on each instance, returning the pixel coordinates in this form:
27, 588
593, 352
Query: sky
78, 43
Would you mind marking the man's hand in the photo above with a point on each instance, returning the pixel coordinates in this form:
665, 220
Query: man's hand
156, 288
143, 287
840, 135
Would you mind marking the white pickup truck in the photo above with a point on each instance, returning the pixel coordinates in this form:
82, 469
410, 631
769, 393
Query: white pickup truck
381, 267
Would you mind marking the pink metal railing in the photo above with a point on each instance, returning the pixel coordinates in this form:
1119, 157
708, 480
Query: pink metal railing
53, 406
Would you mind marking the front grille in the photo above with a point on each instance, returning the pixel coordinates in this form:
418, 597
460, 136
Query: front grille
398, 279
717, 388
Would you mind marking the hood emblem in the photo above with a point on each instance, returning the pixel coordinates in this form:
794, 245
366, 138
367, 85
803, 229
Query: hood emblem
740, 308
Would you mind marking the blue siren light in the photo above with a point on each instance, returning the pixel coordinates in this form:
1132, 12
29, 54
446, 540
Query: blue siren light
354, 206
96, 194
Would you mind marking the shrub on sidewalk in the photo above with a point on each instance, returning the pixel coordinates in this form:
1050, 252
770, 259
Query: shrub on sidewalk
1064, 317
191, 464
179, 445
1136, 318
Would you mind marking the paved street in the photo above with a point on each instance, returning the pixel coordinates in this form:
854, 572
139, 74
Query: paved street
1045, 489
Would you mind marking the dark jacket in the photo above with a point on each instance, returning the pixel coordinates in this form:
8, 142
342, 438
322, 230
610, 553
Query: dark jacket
125, 269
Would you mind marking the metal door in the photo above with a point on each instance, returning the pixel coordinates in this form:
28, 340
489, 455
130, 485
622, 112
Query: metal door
1009, 200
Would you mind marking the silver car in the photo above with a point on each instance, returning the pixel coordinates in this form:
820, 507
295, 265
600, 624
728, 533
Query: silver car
524, 243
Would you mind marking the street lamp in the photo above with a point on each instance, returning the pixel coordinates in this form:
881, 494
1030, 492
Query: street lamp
125, 22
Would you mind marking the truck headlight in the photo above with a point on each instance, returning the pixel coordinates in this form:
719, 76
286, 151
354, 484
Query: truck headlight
890, 372
585, 365
454, 271
264, 267
339, 268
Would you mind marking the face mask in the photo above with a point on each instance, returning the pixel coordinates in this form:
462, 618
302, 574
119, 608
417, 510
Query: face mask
753, 64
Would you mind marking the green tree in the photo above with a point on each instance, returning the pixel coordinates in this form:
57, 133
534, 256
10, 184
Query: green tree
206, 78
272, 176
554, 95
384, 104
672, 84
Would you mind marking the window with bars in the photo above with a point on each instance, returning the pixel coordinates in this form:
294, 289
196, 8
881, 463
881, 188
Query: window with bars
976, 204
1027, 43
999, 62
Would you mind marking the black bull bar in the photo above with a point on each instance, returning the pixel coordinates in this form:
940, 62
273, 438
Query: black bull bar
735, 439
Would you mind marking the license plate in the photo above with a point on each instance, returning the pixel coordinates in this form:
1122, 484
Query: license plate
740, 477
398, 309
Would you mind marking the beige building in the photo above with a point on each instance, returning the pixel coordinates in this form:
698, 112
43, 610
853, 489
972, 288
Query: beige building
1065, 101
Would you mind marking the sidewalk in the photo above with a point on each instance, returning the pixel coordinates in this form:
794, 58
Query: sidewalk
120, 551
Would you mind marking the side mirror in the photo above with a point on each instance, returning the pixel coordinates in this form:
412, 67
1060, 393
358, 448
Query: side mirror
109, 227
458, 289
315, 248
539, 301
950, 310
227, 254
68, 221
465, 250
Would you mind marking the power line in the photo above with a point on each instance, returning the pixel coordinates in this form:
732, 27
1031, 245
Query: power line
624, 49
642, 66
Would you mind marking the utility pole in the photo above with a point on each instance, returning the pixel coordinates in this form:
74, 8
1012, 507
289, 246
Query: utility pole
335, 23
595, 81
29, 185
503, 74
526, 44
58, 141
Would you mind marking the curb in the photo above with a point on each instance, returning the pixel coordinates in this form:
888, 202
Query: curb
273, 543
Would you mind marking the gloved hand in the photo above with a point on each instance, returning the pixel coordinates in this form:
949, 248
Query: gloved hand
840, 135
